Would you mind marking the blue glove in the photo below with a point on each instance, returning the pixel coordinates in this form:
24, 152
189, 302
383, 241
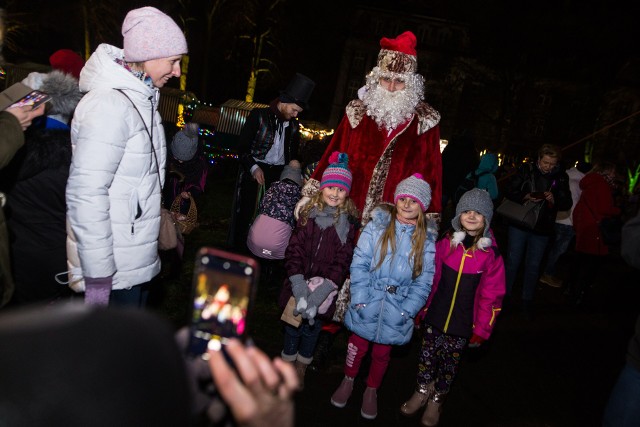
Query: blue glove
316, 298
300, 292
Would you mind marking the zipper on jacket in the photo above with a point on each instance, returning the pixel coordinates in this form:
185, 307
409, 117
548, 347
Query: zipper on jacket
465, 254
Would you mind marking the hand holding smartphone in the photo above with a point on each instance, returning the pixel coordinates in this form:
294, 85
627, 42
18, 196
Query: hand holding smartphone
223, 290
34, 99
20, 95
537, 195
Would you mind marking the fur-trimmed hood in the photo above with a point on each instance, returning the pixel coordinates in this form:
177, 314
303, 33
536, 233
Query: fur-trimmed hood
63, 89
483, 243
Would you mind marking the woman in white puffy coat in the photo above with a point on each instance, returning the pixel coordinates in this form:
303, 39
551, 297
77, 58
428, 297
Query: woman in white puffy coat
114, 189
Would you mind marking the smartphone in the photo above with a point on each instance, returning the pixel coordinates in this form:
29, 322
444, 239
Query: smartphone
34, 99
537, 195
224, 285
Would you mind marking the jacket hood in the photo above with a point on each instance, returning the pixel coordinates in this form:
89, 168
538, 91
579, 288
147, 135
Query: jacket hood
63, 89
381, 215
488, 163
103, 72
574, 173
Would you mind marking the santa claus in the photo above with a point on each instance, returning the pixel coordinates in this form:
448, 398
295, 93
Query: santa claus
389, 133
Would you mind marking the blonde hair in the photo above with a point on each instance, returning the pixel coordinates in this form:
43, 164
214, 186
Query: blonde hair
419, 237
317, 202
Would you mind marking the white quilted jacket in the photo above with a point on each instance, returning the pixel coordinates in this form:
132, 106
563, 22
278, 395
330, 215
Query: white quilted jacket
114, 191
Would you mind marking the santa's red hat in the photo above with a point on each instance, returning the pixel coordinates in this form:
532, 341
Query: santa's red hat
398, 55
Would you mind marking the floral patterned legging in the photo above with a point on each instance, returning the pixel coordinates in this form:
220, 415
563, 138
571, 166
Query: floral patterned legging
439, 359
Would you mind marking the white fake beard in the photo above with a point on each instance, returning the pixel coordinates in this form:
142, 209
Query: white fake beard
390, 109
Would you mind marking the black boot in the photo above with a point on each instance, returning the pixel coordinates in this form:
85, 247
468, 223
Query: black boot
323, 348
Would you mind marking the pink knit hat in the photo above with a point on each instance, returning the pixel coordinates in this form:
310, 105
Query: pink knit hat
416, 188
337, 174
150, 34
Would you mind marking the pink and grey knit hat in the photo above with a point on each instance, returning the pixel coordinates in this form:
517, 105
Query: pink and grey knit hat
150, 34
337, 174
416, 188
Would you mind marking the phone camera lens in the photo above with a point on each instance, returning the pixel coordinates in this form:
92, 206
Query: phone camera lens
248, 271
205, 260
226, 265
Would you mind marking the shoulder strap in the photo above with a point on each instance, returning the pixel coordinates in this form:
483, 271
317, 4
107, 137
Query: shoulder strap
153, 148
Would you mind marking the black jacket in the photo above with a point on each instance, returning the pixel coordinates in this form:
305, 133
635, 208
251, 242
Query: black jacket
259, 132
528, 179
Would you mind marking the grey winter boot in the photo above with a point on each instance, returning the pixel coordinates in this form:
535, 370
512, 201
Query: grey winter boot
416, 401
431, 415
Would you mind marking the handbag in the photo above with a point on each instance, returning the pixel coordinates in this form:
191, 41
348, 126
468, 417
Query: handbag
342, 301
525, 215
168, 238
287, 315
186, 222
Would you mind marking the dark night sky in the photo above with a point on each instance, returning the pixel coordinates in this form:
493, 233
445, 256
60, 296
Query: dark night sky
585, 40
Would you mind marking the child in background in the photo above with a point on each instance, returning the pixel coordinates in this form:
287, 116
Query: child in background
391, 275
186, 171
270, 232
466, 297
319, 254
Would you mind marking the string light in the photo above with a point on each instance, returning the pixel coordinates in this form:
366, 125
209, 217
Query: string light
308, 133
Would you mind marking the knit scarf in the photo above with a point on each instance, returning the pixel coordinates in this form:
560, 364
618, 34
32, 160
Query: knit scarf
140, 75
325, 219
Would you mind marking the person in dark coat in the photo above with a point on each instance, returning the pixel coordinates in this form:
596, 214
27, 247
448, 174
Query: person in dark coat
623, 407
595, 203
13, 122
36, 202
269, 140
459, 158
186, 170
317, 261
544, 182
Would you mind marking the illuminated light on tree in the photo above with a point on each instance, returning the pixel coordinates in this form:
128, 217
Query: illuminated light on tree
633, 178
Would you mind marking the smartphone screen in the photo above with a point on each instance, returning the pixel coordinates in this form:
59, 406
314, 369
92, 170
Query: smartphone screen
223, 288
34, 99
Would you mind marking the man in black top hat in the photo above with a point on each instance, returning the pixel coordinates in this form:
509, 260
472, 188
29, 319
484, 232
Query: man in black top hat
269, 140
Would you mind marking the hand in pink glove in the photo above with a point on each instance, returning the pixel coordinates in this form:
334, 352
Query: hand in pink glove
475, 341
97, 290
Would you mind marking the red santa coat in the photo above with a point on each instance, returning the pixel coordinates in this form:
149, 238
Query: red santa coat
379, 161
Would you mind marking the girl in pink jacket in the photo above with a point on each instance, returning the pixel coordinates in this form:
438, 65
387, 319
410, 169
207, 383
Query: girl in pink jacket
465, 299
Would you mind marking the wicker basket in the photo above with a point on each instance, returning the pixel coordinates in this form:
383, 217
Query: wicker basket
190, 222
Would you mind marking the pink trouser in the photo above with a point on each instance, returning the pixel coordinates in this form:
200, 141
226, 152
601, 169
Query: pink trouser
380, 355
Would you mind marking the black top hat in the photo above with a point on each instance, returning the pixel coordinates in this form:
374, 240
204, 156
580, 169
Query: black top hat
298, 91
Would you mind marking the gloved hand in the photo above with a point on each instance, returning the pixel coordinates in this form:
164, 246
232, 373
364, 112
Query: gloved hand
300, 292
316, 298
475, 341
301, 203
97, 290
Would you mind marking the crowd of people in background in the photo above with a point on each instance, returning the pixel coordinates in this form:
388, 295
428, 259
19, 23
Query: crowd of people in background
376, 212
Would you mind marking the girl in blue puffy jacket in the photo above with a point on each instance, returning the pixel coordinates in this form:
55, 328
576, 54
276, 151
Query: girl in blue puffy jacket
391, 275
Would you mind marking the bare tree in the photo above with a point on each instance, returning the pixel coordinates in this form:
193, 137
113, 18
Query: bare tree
213, 9
261, 26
